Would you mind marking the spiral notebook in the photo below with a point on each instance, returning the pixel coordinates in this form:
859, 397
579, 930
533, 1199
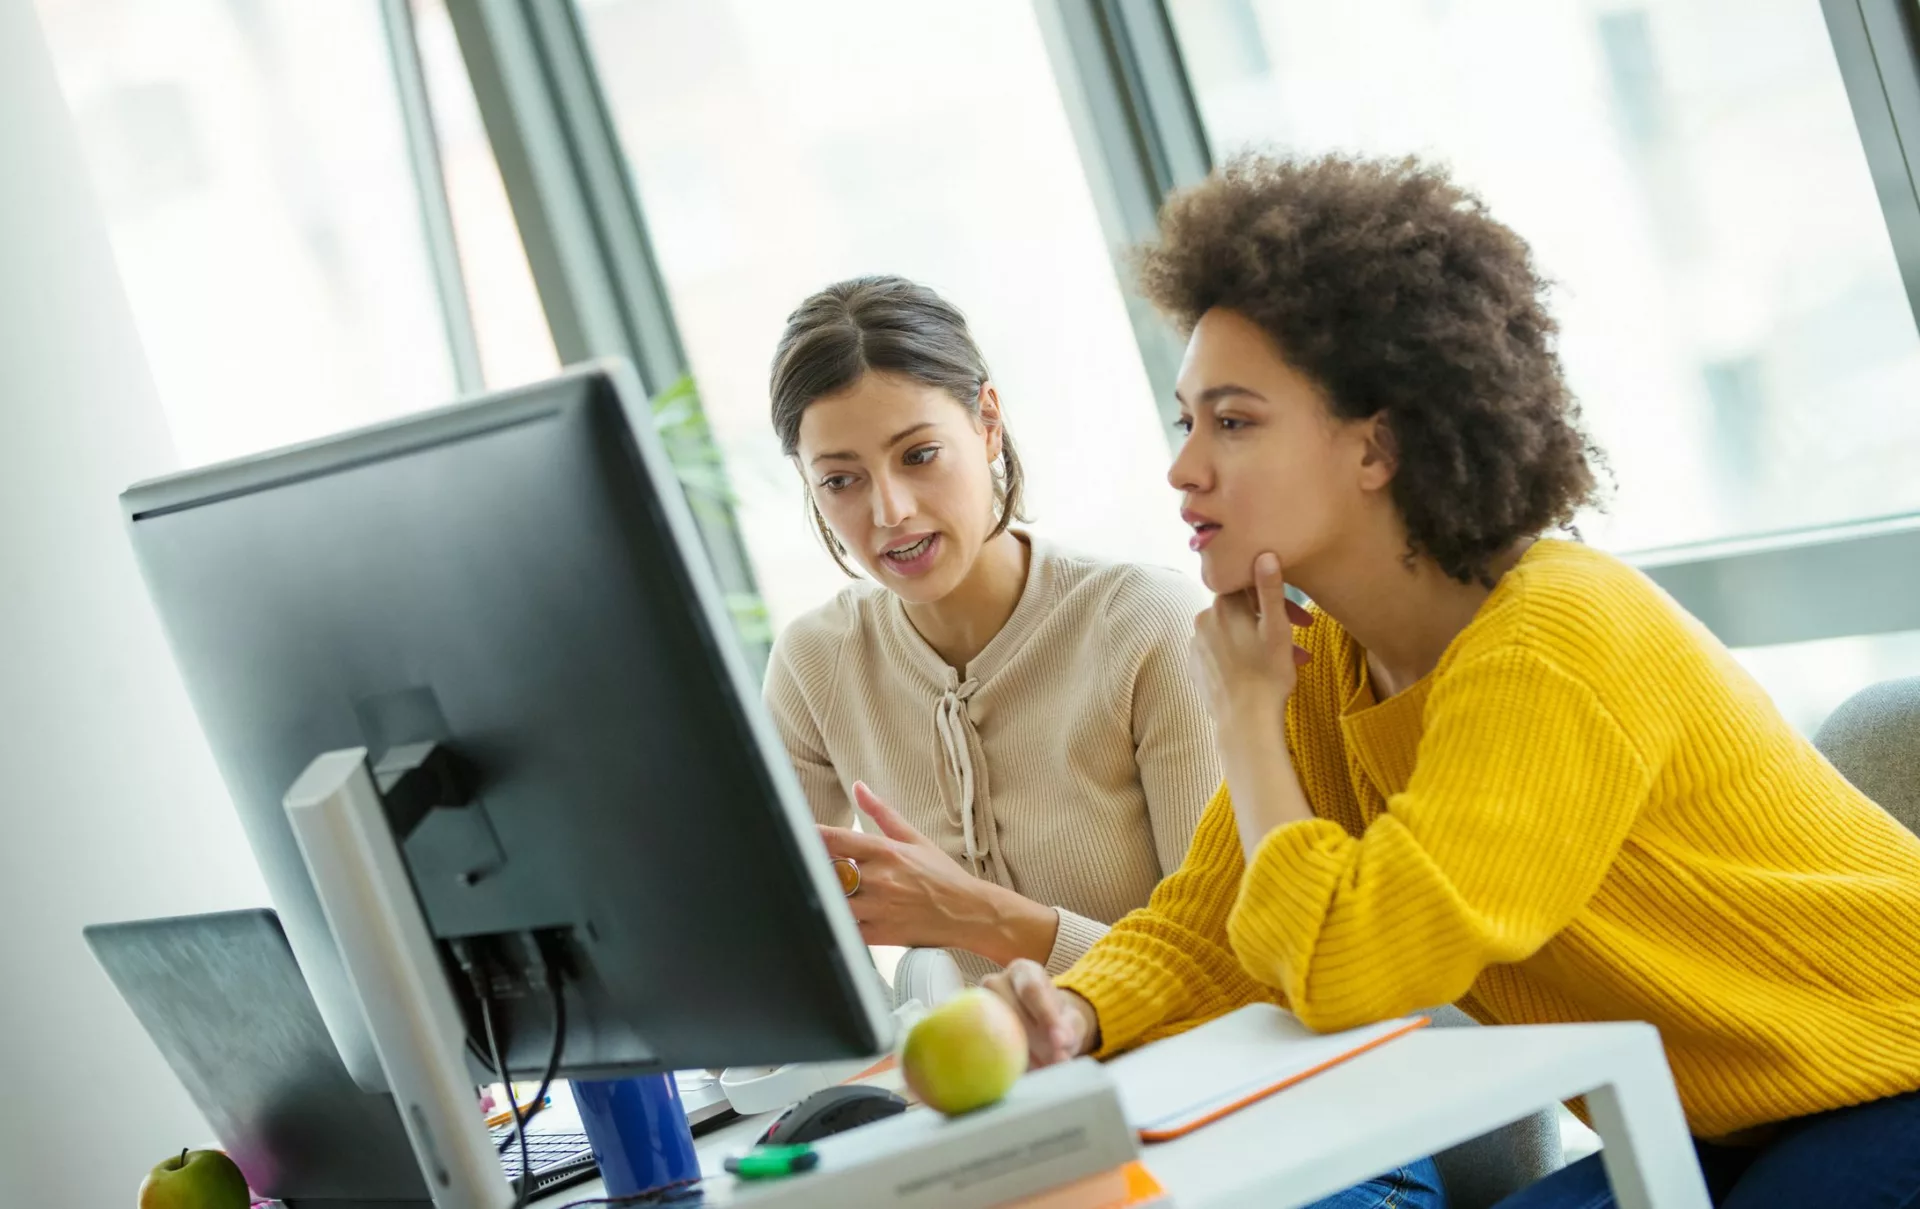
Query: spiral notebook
1173, 1087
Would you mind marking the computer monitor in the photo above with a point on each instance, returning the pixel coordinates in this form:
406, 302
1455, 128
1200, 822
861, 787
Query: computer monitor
518, 581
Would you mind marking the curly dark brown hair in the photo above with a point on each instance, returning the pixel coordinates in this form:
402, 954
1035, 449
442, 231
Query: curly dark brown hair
1396, 292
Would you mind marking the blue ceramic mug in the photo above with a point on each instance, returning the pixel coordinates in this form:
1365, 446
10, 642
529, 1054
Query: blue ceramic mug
639, 1133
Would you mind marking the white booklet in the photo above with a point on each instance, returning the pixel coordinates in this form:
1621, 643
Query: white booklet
1173, 1087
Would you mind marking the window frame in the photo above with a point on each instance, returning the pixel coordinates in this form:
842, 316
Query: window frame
1140, 134
1118, 59
583, 229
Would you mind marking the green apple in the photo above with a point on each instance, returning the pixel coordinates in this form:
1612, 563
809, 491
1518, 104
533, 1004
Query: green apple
965, 1054
195, 1179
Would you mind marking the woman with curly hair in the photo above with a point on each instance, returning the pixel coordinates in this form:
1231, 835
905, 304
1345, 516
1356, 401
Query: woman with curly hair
1490, 766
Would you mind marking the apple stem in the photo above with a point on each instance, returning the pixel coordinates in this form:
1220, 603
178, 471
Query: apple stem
182, 1160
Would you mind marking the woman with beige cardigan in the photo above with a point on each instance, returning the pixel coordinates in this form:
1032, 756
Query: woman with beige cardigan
1015, 722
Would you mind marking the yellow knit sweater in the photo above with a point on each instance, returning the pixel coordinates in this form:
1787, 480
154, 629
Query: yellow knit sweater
1587, 811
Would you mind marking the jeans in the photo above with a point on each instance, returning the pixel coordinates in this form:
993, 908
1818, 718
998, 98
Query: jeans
1864, 1157
1415, 1186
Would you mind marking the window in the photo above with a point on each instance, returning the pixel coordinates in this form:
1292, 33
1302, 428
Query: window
252, 164
1688, 173
779, 147
509, 325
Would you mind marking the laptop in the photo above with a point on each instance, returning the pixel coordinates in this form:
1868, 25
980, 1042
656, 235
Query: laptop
223, 1000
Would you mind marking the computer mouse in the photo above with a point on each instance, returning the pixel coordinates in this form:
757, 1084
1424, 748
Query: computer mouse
832, 1110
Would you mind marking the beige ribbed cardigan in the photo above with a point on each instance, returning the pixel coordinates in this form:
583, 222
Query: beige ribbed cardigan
1069, 762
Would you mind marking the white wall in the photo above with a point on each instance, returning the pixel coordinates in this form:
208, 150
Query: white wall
110, 807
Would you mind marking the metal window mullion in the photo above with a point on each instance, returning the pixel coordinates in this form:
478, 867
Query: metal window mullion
1838, 582
436, 207
1874, 45
1149, 52
1125, 88
566, 178
579, 216
639, 286
530, 143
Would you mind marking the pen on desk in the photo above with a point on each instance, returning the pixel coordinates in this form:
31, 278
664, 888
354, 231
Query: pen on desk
505, 1115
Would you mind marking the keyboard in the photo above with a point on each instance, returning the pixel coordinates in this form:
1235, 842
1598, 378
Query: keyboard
559, 1159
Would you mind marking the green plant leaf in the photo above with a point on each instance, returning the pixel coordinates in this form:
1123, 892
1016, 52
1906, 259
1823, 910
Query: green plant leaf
750, 619
688, 440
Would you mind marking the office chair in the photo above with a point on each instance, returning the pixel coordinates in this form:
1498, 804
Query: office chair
1874, 740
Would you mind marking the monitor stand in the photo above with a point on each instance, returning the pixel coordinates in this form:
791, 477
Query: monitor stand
341, 824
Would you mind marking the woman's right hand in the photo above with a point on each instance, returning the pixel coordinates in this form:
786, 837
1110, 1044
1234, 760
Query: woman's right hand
1243, 655
1060, 1024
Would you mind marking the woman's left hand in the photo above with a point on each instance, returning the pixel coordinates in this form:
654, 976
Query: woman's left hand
1243, 652
912, 893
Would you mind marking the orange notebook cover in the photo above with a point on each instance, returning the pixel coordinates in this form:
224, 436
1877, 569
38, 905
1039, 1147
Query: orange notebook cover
1173, 1087
1130, 1186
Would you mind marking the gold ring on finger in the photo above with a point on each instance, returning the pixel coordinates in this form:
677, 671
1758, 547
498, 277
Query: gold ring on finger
848, 871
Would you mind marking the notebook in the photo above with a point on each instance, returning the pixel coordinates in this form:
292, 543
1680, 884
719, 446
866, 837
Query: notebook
1172, 1087
1129, 1186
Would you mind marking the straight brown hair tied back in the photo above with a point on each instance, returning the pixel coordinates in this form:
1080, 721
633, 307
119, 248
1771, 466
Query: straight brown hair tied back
883, 325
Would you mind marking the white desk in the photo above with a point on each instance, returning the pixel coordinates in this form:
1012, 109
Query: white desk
1413, 1097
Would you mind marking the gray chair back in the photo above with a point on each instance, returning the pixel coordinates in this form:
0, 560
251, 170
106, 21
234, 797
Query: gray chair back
1479, 1173
1874, 740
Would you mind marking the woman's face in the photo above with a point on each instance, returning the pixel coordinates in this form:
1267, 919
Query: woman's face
1266, 466
904, 476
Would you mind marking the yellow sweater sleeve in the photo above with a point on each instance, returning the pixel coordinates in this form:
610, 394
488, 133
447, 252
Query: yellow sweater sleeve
1522, 793
1168, 967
